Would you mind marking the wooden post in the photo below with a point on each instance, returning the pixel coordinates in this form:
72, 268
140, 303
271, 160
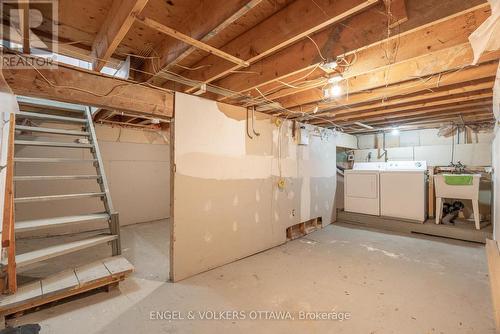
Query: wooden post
24, 15
8, 235
431, 193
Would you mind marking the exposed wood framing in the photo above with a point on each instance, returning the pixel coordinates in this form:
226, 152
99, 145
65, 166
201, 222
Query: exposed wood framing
340, 40
114, 29
437, 104
170, 59
24, 17
402, 117
439, 95
76, 85
191, 41
442, 41
426, 84
271, 36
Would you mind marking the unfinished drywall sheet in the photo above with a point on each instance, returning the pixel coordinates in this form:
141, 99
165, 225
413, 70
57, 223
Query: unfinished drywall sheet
496, 185
227, 204
137, 165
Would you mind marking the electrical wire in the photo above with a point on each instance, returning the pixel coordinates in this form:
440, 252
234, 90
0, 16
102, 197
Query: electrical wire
317, 47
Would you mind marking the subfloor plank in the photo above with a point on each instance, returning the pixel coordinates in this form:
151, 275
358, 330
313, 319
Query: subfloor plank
66, 283
24, 294
91, 272
118, 265
57, 283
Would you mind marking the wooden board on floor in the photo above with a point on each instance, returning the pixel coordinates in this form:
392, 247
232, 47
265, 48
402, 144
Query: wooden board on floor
66, 284
493, 255
461, 231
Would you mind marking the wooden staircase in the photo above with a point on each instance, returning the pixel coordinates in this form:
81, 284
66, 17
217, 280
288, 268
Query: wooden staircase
73, 130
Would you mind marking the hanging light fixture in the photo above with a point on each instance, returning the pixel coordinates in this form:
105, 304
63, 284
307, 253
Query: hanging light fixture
333, 89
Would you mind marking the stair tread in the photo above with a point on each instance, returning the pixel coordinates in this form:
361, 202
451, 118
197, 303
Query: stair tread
52, 130
52, 160
27, 225
57, 250
56, 197
51, 143
55, 177
24, 114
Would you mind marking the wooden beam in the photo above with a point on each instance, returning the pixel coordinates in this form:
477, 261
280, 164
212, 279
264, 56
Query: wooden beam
357, 34
8, 234
119, 21
422, 85
171, 56
471, 107
24, 17
426, 116
451, 103
433, 124
291, 24
447, 34
435, 119
76, 85
191, 41
433, 64
414, 98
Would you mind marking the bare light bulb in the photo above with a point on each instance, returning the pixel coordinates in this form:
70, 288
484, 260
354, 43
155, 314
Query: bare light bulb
395, 132
335, 91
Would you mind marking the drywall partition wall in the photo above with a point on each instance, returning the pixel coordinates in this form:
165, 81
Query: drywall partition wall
137, 165
496, 185
227, 204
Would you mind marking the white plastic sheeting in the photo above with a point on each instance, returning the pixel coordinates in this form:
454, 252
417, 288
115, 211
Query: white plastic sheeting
487, 36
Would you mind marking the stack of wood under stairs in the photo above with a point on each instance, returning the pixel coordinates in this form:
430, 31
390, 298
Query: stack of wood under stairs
73, 130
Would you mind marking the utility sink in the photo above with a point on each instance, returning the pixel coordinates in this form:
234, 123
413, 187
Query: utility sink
444, 190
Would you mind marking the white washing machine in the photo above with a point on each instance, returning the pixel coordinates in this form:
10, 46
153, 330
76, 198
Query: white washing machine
403, 190
361, 188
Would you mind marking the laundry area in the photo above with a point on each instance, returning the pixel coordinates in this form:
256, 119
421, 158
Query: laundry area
250, 166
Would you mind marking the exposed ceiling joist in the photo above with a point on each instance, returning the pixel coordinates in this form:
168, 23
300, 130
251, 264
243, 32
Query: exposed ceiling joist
362, 33
482, 86
451, 33
424, 116
76, 85
119, 21
172, 56
191, 41
441, 105
421, 85
271, 35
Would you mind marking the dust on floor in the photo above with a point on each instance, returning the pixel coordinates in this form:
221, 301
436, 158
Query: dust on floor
385, 283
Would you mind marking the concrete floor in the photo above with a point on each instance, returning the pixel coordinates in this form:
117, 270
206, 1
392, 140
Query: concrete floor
387, 283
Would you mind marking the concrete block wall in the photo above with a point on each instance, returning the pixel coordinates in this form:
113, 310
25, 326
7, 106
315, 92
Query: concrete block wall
426, 145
